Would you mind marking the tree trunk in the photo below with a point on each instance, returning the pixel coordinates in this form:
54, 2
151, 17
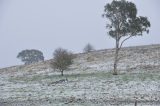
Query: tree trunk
115, 63
61, 72
116, 58
135, 104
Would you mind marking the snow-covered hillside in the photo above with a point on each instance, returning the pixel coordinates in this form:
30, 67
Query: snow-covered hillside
89, 81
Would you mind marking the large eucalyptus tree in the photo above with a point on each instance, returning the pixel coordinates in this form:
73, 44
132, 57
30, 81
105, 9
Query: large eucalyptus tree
123, 24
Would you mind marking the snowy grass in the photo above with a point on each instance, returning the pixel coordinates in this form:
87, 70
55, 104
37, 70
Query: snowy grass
100, 75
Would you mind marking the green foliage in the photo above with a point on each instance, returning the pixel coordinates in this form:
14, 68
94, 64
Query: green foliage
123, 20
62, 59
30, 56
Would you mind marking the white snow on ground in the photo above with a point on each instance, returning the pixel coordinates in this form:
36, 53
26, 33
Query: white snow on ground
88, 81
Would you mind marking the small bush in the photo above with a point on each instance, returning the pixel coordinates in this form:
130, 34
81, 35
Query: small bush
88, 48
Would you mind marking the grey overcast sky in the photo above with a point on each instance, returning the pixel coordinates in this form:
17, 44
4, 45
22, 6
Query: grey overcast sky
71, 24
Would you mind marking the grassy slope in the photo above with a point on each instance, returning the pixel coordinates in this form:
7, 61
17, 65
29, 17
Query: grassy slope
90, 81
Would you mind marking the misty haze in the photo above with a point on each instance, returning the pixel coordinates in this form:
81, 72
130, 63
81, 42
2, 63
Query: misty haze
79, 53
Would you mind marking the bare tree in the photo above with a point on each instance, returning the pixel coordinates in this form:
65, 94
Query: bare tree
62, 59
123, 24
88, 48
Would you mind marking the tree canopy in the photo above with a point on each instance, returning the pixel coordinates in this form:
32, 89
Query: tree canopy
123, 19
30, 56
62, 59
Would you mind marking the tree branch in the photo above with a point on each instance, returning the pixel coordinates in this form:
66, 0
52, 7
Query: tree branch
124, 41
